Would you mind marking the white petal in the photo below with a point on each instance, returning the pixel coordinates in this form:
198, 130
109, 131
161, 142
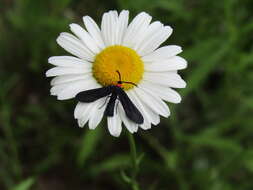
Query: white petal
69, 78
153, 102
79, 86
70, 89
85, 37
94, 31
96, 113
163, 92
82, 112
74, 46
172, 64
105, 28
57, 89
130, 125
151, 30
69, 61
89, 111
122, 26
109, 28
113, 19
162, 53
155, 41
170, 79
114, 125
148, 114
136, 29
146, 126
80, 108
66, 71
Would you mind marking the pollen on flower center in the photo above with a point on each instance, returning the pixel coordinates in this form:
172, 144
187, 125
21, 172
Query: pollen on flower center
118, 58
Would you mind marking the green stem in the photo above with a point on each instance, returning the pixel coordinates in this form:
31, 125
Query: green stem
135, 167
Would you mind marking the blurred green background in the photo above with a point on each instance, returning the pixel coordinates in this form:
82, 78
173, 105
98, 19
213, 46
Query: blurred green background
206, 144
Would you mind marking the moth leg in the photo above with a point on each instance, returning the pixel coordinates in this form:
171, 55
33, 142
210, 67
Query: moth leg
104, 101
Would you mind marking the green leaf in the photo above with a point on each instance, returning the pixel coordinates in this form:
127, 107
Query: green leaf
124, 176
25, 185
217, 143
88, 145
114, 162
202, 71
248, 160
140, 158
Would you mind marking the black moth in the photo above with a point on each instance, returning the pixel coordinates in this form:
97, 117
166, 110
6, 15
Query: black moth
114, 92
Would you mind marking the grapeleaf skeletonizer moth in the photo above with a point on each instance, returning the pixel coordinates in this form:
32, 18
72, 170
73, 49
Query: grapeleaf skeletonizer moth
114, 92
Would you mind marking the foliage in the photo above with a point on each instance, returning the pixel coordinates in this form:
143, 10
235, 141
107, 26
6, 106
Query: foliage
207, 142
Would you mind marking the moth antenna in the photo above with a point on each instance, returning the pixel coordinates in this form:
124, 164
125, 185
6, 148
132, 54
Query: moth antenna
125, 81
129, 83
119, 75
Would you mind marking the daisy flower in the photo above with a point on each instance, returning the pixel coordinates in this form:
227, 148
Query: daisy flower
131, 50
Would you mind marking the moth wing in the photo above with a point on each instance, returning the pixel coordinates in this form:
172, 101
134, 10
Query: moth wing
93, 94
109, 111
130, 109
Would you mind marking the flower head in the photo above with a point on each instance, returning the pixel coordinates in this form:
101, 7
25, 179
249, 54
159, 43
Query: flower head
118, 56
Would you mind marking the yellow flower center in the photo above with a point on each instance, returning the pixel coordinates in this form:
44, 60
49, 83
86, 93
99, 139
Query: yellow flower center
118, 58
